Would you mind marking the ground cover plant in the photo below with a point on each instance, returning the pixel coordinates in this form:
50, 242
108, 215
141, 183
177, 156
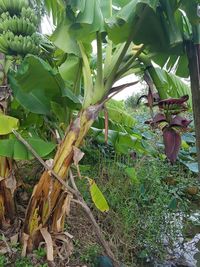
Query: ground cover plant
55, 91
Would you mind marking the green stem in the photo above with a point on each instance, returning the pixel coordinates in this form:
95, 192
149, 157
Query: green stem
129, 63
87, 75
108, 56
99, 78
110, 8
76, 88
111, 78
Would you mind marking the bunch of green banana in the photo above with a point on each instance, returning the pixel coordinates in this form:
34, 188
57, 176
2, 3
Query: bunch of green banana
13, 6
28, 13
17, 26
22, 45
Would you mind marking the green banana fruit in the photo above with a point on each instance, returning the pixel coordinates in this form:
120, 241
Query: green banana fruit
13, 6
18, 26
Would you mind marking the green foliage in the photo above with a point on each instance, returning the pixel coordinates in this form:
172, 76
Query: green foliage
188, 152
118, 114
170, 85
90, 254
23, 262
97, 197
132, 101
36, 94
132, 174
7, 124
141, 212
3, 261
13, 148
40, 253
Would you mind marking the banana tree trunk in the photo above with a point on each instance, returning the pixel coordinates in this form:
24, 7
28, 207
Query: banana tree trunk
7, 188
44, 208
193, 52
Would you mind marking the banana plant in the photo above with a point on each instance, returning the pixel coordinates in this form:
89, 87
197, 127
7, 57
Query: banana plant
78, 25
83, 23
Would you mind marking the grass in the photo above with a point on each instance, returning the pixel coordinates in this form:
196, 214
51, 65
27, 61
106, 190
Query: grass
141, 215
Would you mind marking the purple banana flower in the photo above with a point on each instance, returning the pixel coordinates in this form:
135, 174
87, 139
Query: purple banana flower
173, 125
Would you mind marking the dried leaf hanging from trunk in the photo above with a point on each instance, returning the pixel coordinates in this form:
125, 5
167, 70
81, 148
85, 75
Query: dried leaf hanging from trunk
78, 155
64, 211
11, 183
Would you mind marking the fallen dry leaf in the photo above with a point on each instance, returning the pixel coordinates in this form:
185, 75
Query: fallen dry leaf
25, 238
49, 243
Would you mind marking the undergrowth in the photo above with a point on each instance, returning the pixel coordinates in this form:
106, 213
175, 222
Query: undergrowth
140, 225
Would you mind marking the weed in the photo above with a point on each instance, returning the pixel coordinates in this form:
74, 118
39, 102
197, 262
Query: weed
23, 262
90, 254
141, 215
3, 260
40, 253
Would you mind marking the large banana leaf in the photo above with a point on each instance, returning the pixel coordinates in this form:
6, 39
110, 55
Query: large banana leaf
36, 84
56, 8
157, 24
12, 148
64, 40
83, 19
71, 72
133, 18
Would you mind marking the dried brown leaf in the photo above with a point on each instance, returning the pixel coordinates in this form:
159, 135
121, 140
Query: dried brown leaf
14, 239
65, 210
78, 155
25, 238
49, 243
11, 183
49, 163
